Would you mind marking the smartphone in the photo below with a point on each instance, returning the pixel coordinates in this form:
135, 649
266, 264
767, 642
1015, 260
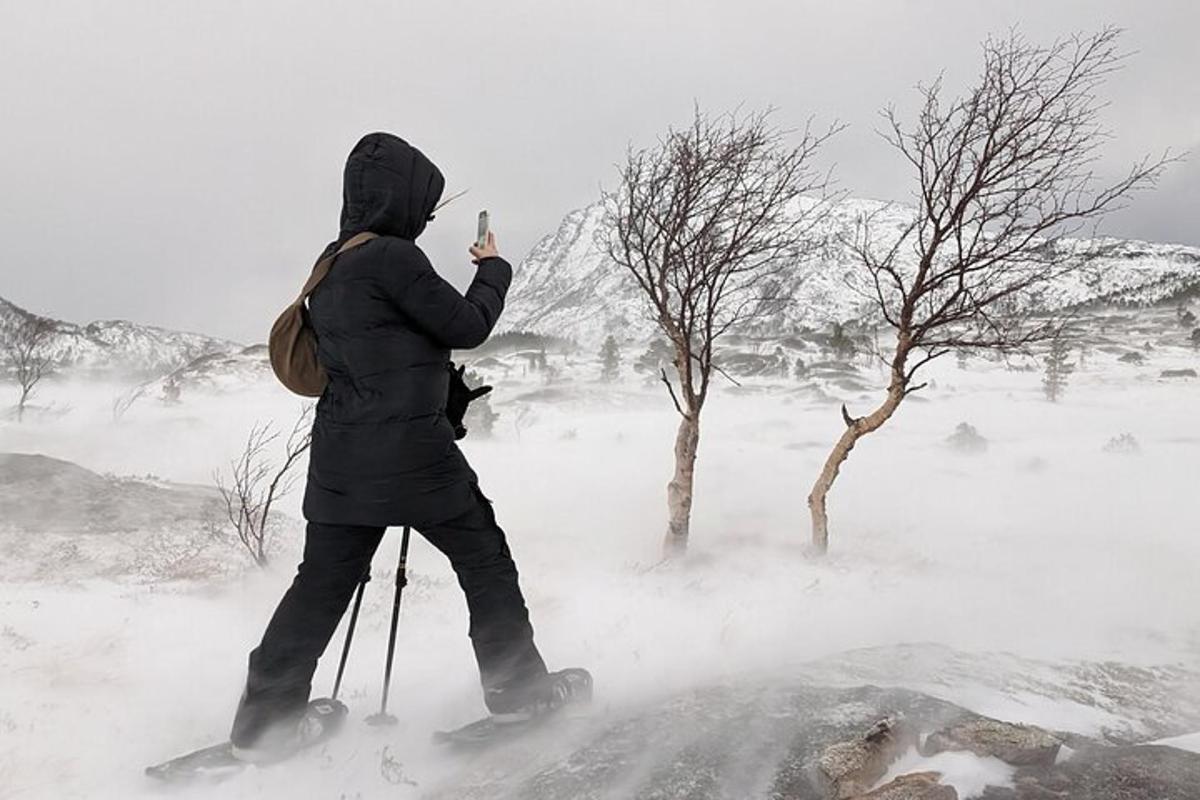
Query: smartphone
482, 232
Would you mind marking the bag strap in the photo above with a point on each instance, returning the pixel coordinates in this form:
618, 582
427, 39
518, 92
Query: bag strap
322, 267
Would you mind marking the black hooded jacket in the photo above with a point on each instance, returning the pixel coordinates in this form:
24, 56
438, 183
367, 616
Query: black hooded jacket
383, 452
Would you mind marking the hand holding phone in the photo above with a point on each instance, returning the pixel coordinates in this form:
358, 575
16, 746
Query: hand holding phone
482, 231
485, 241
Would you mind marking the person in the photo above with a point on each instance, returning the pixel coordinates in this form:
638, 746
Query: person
383, 450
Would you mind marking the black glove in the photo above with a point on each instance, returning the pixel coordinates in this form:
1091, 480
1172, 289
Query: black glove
458, 397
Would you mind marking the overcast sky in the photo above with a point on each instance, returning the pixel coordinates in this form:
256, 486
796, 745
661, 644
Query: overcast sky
179, 163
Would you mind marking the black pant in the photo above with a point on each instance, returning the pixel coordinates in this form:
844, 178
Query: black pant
336, 557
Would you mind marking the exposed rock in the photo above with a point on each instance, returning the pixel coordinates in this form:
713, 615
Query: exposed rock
1177, 373
1018, 745
1146, 772
852, 767
1125, 444
785, 743
966, 439
1132, 773
914, 786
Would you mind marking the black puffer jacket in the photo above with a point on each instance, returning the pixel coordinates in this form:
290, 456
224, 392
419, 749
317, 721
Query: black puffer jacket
383, 452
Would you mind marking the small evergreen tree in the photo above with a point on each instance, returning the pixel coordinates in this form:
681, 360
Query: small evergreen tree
801, 369
841, 345
782, 366
1054, 380
610, 359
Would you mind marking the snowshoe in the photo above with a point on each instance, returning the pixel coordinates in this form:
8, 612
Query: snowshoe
321, 720
562, 691
213, 764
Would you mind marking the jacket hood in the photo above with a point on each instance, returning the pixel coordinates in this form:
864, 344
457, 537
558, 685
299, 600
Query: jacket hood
389, 187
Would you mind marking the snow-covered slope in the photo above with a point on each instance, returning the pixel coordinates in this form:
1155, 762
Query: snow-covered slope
117, 345
60, 521
215, 372
567, 286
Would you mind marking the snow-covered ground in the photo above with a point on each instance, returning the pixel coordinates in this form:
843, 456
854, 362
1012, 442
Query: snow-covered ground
1044, 547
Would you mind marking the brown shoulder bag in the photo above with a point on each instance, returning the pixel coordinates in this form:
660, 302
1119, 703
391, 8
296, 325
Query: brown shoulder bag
292, 344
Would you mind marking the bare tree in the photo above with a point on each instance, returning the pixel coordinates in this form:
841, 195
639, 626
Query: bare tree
706, 222
28, 354
1002, 173
256, 482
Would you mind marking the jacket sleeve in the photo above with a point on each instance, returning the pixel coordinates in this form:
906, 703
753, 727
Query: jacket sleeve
435, 307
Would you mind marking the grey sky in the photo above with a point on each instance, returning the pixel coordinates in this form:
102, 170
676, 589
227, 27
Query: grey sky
179, 163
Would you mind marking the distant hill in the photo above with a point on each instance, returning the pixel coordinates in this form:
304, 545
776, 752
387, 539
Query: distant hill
60, 521
213, 372
117, 346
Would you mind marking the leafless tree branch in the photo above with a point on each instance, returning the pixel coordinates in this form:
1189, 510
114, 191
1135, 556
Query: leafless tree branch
256, 482
1003, 172
706, 223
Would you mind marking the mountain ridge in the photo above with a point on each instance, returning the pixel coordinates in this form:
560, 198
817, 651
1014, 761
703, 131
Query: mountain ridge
104, 346
568, 288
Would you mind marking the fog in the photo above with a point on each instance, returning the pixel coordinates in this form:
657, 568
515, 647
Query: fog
179, 164
1042, 548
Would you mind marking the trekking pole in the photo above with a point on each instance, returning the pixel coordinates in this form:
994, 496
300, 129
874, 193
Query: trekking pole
384, 718
362, 584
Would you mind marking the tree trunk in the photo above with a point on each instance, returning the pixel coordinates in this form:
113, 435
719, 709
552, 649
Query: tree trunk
679, 490
855, 430
21, 403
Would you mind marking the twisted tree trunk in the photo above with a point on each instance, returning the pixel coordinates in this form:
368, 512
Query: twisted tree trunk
855, 430
679, 490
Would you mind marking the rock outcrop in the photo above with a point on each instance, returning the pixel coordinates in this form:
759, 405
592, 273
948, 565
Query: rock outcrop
1019, 745
807, 743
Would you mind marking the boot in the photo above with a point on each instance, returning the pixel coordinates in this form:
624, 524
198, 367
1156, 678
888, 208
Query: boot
549, 694
320, 721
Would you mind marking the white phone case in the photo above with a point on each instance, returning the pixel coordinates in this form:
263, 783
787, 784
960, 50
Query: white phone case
481, 234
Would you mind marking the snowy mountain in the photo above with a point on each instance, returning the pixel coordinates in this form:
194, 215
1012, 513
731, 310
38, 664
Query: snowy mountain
213, 372
117, 345
567, 287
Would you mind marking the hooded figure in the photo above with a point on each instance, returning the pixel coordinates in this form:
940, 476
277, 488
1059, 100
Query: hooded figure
384, 453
